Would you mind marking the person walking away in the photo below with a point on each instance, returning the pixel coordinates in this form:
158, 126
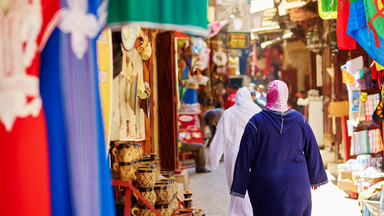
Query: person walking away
227, 140
278, 160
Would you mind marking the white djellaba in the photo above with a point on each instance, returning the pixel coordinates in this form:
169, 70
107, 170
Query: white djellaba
227, 140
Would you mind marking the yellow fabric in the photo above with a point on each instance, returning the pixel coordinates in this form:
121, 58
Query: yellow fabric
363, 96
104, 55
379, 67
347, 77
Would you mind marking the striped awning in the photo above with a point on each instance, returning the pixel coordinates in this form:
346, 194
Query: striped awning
189, 16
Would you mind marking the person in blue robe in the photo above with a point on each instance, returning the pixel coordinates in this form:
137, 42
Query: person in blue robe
279, 160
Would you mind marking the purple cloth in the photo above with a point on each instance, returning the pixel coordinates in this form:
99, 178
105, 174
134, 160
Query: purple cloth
277, 163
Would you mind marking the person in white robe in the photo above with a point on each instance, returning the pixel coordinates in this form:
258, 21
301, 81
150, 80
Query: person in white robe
227, 140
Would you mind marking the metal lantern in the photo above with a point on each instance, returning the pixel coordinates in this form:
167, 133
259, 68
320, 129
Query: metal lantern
315, 42
192, 54
332, 39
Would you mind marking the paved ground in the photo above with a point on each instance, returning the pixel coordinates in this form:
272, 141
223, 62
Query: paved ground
210, 193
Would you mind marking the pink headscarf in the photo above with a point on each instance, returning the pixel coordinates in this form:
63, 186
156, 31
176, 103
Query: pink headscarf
277, 96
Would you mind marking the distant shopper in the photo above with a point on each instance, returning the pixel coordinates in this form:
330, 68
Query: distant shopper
199, 150
230, 100
211, 118
261, 96
278, 160
227, 140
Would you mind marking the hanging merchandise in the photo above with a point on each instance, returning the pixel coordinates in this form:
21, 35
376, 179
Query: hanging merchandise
220, 58
361, 142
370, 105
364, 34
375, 141
355, 104
367, 141
376, 71
128, 120
204, 58
347, 77
344, 41
378, 114
375, 20
327, 9
129, 34
364, 79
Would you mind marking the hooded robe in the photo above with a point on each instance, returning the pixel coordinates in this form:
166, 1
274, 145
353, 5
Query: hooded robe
278, 159
227, 140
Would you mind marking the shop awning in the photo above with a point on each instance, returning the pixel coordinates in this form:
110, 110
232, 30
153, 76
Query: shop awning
181, 15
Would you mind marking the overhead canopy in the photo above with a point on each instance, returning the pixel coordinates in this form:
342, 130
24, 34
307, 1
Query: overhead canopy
181, 15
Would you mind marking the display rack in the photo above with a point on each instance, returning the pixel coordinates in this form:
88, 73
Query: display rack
129, 188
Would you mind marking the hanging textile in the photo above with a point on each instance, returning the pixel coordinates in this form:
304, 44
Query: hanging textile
128, 120
365, 34
344, 41
80, 178
186, 16
24, 162
361, 142
375, 141
370, 105
327, 9
375, 20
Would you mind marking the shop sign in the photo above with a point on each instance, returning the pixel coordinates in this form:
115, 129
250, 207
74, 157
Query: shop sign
238, 40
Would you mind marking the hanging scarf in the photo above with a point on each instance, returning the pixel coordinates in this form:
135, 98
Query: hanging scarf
277, 96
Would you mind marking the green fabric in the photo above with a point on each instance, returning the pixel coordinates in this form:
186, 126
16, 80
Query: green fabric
370, 11
189, 16
329, 5
327, 9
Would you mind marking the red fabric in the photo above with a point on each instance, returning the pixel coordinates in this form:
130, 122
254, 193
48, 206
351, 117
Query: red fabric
344, 41
231, 99
24, 162
376, 75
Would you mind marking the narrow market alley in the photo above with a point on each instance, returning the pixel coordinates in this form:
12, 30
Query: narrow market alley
210, 192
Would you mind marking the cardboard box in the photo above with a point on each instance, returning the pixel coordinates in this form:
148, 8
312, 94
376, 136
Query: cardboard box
345, 182
357, 175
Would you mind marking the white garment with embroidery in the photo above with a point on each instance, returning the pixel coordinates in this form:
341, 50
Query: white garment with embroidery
229, 131
128, 125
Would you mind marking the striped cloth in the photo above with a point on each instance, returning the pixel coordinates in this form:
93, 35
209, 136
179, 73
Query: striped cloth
370, 105
375, 141
361, 144
356, 142
80, 178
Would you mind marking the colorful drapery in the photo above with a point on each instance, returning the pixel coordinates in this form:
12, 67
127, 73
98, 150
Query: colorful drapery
364, 34
80, 179
24, 168
344, 41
